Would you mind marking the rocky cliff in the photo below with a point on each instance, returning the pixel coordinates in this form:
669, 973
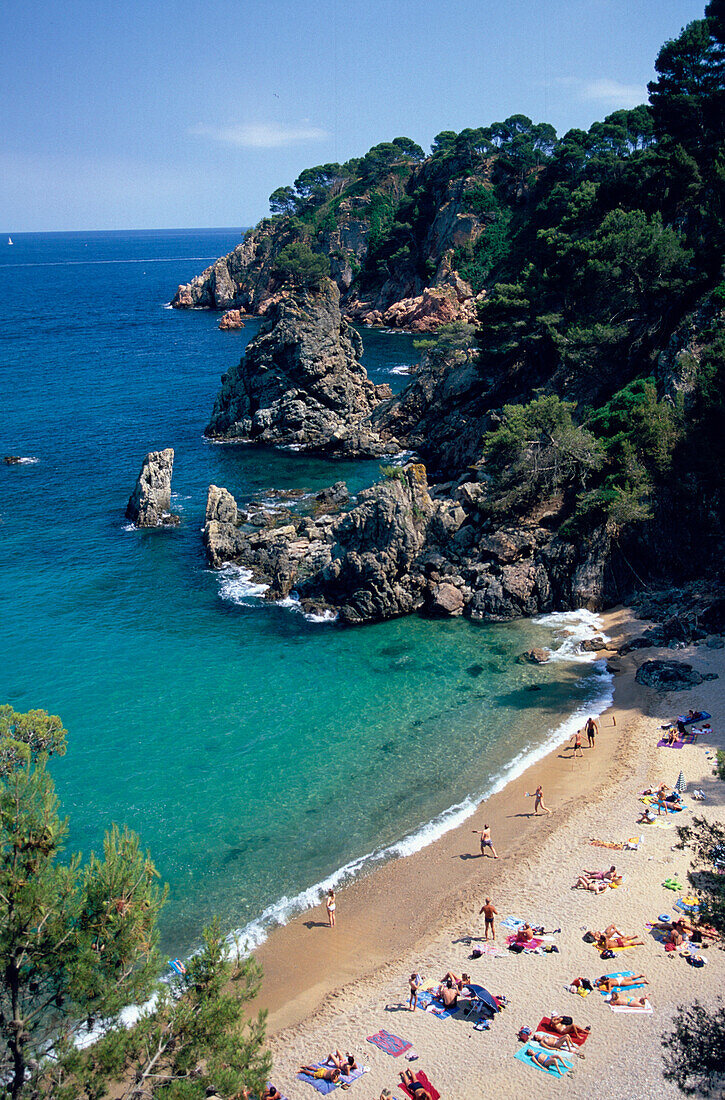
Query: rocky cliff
404, 547
301, 383
150, 502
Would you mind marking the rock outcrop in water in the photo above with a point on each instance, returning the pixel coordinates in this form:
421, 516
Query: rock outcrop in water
301, 383
405, 547
150, 502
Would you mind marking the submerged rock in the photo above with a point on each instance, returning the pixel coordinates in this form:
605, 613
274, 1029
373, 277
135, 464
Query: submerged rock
301, 383
150, 502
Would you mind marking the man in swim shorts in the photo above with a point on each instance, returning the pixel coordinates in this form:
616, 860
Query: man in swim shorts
592, 729
486, 841
488, 914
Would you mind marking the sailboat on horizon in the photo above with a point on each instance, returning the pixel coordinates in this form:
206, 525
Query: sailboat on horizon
10, 240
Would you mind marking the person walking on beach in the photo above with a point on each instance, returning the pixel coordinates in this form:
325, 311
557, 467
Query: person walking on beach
488, 914
331, 906
486, 841
592, 729
578, 743
539, 801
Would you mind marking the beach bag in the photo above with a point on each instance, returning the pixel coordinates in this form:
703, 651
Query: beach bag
517, 947
476, 953
607, 955
524, 1034
588, 937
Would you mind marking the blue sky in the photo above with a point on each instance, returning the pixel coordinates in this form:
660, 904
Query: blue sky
155, 114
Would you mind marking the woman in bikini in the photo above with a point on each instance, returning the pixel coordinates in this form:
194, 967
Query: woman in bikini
420, 1092
548, 1061
562, 1043
609, 983
331, 906
539, 801
564, 1025
627, 1002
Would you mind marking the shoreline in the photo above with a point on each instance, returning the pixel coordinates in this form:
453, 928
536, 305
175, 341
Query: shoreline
325, 989
368, 934
280, 913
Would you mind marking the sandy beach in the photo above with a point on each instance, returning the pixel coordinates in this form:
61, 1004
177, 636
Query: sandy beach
331, 988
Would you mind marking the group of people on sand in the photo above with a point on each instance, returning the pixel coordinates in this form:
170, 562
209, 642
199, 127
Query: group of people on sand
664, 799
335, 1066
612, 938
598, 881
451, 987
591, 729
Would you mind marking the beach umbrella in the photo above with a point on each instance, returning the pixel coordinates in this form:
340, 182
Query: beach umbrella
680, 785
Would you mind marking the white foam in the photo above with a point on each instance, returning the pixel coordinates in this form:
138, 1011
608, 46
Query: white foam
327, 615
237, 586
571, 628
402, 368
129, 527
28, 460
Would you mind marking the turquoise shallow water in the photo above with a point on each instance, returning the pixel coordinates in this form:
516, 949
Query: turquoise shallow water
255, 752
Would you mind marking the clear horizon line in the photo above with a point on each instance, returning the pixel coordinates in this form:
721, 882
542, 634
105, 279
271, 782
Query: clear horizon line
128, 229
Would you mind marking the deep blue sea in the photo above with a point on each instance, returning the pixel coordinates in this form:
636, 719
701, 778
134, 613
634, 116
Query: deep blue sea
257, 753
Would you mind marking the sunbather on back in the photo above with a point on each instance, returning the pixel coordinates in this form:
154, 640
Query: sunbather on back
552, 1043
615, 982
548, 1061
627, 1002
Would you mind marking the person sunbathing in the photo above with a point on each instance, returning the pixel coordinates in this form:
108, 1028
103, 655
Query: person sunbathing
525, 934
673, 735
552, 1061
345, 1065
675, 936
608, 943
564, 1025
411, 1082
323, 1073
458, 982
614, 981
592, 885
563, 1042
601, 875
449, 995
618, 1000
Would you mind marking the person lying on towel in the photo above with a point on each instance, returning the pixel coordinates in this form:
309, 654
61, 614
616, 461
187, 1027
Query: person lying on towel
607, 983
564, 1025
627, 1002
562, 1043
410, 1080
553, 1062
324, 1073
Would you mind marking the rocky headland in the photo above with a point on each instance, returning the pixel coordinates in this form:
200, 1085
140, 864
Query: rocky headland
150, 502
301, 384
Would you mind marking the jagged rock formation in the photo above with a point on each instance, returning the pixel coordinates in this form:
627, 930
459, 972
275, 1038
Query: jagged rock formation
150, 502
668, 675
301, 383
231, 320
402, 548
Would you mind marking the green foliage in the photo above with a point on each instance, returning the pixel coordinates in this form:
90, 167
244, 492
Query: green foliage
706, 841
721, 764
393, 473
283, 201
302, 267
535, 451
74, 941
32, 733
695, 1050
199, 1034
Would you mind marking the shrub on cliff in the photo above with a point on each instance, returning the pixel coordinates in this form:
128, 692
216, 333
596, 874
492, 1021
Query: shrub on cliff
302, 267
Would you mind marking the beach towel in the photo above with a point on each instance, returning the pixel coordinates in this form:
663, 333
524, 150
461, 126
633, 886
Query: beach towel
688, 904
492, 950
621, 974
326, 1087
530, 946
700, 716
433, 1005
647, 1010
390, 1044
545, 1025
664, 744
420, 1076
521, 1056
512, 922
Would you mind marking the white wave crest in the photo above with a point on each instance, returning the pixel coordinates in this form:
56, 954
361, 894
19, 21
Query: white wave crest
402, 368
27, 460
237, 586
571, 628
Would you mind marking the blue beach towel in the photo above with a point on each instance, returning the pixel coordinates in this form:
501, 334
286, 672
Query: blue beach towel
327, 1086
514, 923
521, 1056
621, 974
433, 1006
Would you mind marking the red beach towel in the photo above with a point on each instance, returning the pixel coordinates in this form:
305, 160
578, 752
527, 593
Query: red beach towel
531, 945
425, 1083
579, 1040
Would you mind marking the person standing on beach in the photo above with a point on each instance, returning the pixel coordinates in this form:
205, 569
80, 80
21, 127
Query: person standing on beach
578, 742
331, 906
488, 914
539, 801
592, 729
486, 841
414, 981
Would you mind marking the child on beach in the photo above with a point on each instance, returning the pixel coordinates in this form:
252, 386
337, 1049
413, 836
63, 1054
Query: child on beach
414, 981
